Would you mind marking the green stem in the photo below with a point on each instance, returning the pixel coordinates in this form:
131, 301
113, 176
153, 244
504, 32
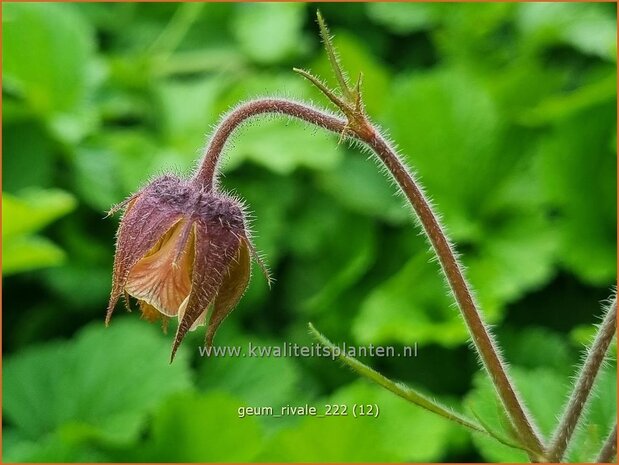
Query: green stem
406, 392
399, 389
172, 35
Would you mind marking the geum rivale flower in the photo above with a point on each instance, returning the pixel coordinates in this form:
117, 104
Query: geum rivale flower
182, 251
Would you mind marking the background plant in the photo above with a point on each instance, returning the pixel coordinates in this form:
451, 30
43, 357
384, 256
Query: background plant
514, 102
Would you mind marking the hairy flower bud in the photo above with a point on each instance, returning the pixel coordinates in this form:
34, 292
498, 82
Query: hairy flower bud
181, 251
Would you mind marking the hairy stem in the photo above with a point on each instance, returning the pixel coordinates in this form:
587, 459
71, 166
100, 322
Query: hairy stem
481, 336
230, 122
584, 384
408, 393
609, 449
364, 132
399, 389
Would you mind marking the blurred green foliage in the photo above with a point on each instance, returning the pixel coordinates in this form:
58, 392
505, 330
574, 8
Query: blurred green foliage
507, 112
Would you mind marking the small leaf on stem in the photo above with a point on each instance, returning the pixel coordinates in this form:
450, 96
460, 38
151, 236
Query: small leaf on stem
399, 389
337, 101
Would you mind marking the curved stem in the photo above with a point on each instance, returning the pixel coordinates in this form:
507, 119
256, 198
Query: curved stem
609, 449
584, 384
231, 121
481, 336
364, 132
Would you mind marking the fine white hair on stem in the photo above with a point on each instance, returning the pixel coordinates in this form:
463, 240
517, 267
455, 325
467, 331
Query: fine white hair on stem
422, 231
609, 448
585, 382
271, 115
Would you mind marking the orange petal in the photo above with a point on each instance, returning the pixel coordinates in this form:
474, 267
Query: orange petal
146, 219
151, 314
163, 278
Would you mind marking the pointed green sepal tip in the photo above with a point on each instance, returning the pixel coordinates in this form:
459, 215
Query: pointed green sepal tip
342, 81
337, 101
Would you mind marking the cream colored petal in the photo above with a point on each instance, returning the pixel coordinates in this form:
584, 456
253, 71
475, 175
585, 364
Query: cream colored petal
163, 278
200, 321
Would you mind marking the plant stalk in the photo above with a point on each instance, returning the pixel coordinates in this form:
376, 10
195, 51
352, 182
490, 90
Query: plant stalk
398, 389
235, 118
408, 393
609, 449
584, 384
453, 272
364, 132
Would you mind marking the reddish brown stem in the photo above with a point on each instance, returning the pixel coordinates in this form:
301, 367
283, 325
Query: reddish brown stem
363, 131
584, 384
206, 173
461, 291
609, 449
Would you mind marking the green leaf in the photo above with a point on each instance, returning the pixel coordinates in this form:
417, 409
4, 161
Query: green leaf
195, 428
405, 18
28, 156
184, 125
517, 254
46, 51
563, 105
359, 186
599, 420
96, 177
537, 347
410, 307
401, 390
270, 32
33, 209
450, 140
485, 199
577, 168
271, 200
281, 144
25, 214
365, 439
115, 164
81, 285
25, 253
250, 378
99, 386
589, 28
54, 448
549, 393
414, 304
312, 282
583, 335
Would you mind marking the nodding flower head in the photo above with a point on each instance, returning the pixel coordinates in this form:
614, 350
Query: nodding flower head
181, 251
